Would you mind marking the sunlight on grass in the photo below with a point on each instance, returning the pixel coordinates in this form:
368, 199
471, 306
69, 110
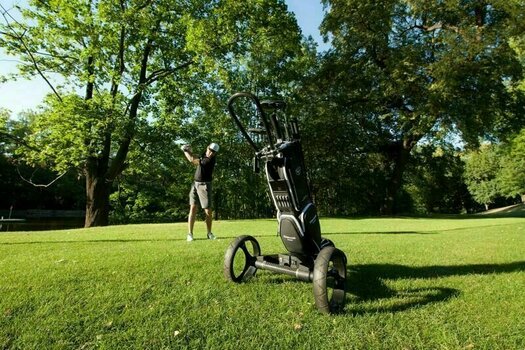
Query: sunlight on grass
412, 283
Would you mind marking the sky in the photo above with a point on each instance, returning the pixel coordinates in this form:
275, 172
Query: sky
27, 94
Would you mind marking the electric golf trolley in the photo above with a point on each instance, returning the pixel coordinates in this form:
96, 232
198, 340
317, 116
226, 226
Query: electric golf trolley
310, 258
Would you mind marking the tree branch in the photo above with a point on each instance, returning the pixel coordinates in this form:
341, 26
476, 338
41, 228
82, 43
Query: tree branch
24, 47
18, 140
438, 25
117, 165
39, 185
161, 73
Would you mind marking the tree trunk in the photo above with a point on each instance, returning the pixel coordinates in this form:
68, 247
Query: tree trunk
97, 200
100, 172
399, 154
98, 188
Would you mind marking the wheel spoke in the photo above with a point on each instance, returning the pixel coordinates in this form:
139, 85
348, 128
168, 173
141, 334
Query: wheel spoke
240, 266
245, 250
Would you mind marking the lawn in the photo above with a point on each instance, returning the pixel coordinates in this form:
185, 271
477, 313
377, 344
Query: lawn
427, 283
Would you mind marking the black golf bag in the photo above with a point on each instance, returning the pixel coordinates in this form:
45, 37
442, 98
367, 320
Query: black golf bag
309, 257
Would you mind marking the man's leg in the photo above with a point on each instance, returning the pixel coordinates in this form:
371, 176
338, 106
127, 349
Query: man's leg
204, 191
193, 212
191, 218
209, 218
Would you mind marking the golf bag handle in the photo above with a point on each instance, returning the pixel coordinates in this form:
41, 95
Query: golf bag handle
261, 114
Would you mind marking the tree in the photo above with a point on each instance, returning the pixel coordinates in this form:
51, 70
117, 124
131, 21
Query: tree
402, 70
17, 178
434, 180
136, 62
512, 174
269, 69
481, 174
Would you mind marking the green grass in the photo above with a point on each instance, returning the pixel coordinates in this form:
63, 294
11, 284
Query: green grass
430, 283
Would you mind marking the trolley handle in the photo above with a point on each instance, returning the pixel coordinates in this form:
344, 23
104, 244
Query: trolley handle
261, 114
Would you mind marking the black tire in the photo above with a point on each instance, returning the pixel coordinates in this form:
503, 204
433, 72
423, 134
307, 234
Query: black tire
329, 280
240, 257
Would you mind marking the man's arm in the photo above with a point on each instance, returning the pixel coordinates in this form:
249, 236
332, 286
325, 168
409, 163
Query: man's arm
191, 158
189, 155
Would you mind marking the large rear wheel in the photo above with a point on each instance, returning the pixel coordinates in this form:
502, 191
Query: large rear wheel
329, 280
240, 257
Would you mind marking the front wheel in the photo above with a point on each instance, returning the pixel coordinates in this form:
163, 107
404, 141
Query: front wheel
329, 280
240, 257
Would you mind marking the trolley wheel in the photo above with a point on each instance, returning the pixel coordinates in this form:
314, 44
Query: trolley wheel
329, 280
240, 257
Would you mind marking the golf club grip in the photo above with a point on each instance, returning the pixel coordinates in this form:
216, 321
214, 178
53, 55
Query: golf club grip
238, 122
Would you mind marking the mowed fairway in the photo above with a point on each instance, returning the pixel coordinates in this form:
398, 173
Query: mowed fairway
451, 283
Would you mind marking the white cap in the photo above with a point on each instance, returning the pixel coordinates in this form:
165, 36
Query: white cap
214, 147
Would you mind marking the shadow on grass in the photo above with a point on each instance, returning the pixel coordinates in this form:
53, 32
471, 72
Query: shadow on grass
431, 232
112, 241
511, 211
381, 233
93, 241
372, 295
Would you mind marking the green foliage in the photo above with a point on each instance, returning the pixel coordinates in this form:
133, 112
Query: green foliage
4, 117
344, 180
404, 71
517, 42
17, 177
139, 77
66, 133
481, 173
142, 65
512, 173
155, 184
496, 170
434, 181
412, 283
256, 37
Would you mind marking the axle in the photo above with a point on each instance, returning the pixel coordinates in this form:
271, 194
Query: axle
301, 272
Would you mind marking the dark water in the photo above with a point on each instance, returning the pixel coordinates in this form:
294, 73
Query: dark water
42, 224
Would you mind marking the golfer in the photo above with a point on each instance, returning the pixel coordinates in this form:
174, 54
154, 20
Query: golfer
201, 187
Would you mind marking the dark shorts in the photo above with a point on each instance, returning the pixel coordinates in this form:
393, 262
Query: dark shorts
202, 191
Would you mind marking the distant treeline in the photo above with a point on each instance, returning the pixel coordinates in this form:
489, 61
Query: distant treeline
416, 108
